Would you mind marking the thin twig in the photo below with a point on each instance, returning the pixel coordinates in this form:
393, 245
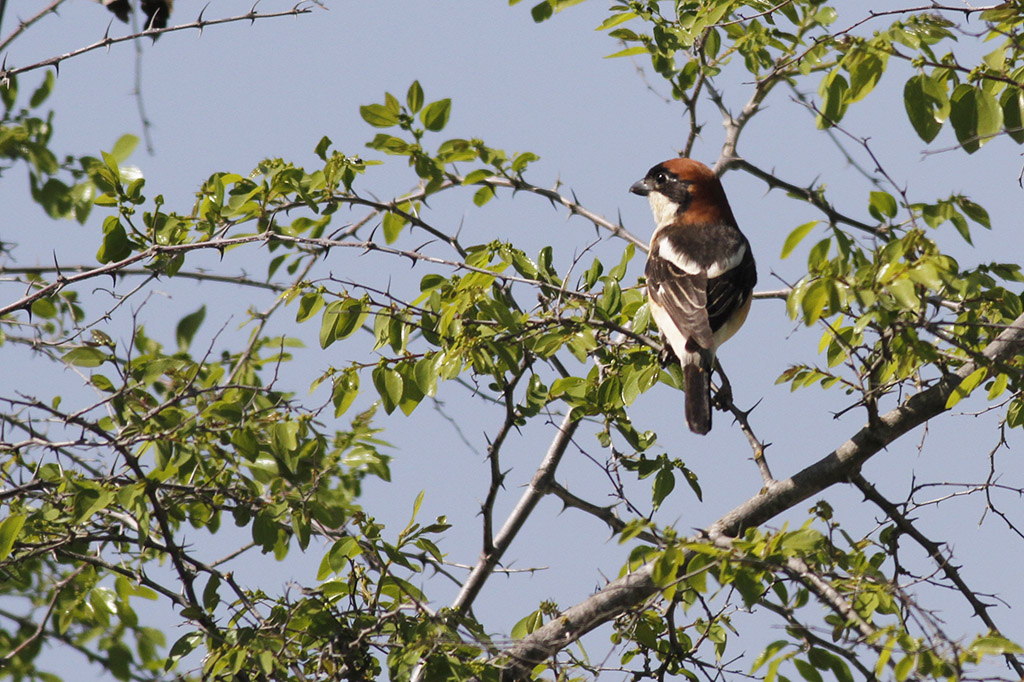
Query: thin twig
938, 556
199, 25
535, 490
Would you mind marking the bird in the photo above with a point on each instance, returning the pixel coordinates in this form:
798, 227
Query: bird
700, 273
156, 11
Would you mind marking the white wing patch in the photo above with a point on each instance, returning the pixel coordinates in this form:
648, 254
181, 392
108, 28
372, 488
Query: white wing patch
721, 267
677, 258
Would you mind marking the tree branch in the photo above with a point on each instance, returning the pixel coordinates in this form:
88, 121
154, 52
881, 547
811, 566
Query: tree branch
199, 24
836, 467
935, 552
537, 488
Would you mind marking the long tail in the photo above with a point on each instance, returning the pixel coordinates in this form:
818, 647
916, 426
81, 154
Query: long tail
697, 386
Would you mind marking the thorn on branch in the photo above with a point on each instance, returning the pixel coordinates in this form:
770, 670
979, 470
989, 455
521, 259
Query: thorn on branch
56, 266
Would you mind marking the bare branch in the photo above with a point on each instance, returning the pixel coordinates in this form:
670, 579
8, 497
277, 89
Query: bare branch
200, 24
537, 488
22, 25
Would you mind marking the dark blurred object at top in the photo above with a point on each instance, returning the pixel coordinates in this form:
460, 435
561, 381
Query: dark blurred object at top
157, 11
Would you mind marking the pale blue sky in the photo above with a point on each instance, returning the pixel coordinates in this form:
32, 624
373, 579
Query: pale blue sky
240, 93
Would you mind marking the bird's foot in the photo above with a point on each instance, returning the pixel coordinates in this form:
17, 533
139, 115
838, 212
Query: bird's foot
722, 399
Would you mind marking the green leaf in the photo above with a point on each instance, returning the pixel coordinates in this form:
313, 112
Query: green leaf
796, 236
615, 20
521, 161
542, 11
865, 71
528, 625
483, 195
1015, 413
338, 557
116, 245
85, 356
88, 501
435, 116
124, 147
346, 388
974, 211
994, 645
965, 387
801, 541
998, 386
378, 115
43, 91
882, 205
926, 104
975, 116
664, 484
628, 52
903, 291
389, 385
211, 599
768, 653
9, 530
833, 92
187, 328
926, 274
414, 98
814, 300
322, 147
1012, 103
309, 305
393, 224
411, 393
110, 161
478, 175
425, 374
903, 668
807, 671
340, 320
824, 660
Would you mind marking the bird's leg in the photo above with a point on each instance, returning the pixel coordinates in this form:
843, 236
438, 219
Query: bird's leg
723, 395
667, 356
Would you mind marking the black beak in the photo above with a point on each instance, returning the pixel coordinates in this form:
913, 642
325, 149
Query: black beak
642, 187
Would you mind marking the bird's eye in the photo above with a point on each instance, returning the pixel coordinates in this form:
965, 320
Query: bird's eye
661, 178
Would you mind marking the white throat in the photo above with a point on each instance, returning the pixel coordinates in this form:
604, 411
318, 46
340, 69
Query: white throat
663, 208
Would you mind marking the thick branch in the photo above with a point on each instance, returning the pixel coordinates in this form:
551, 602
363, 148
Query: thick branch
835, 467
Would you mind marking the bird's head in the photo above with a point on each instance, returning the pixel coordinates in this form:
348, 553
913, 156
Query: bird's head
684, 190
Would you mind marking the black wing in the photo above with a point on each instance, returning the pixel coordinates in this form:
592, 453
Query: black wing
684, 296
701, 274
729, 291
